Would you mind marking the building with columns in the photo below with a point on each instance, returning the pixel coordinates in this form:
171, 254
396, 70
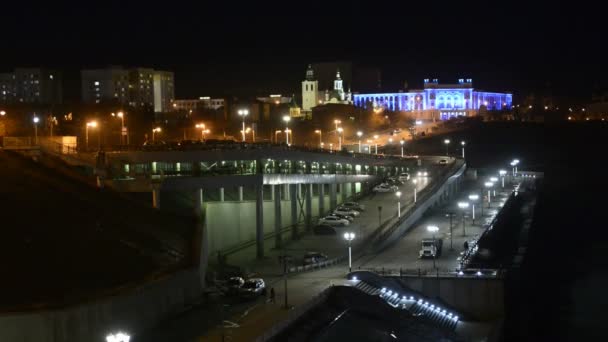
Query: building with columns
437, 101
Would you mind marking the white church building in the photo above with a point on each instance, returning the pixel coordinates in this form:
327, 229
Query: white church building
313, 96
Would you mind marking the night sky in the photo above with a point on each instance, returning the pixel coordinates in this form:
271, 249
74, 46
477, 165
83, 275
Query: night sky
228, 48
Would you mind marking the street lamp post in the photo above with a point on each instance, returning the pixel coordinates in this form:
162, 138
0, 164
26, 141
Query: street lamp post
340, 130
36, 120
318, 131
359, 134
447, 144
286, 118
369, 146
489, 185
502, 174
433, 230
463, 206
415, 181
451, 216
473, 198
243, 113
123, 131
514, 166
92, 124
493, 180
462, 143
348, 236
337, 122
376, 142
402, 142
154, 131
201, 126
398, 194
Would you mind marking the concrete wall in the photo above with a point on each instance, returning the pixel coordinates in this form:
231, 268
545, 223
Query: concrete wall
132, 312
482, 299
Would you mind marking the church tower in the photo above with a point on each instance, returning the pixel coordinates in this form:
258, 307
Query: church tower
338, 82
310, 90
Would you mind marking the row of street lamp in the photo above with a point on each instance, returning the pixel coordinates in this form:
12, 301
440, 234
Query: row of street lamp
447, 144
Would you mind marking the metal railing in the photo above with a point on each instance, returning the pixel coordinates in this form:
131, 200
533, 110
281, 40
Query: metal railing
435, 272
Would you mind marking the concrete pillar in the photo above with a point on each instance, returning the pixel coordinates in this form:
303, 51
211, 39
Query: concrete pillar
259, 219
202, 236
321, 199
272, 192
308, 206
221, 194
333, 196
299, 189
240, 194
342, 192
287, 191
294, 211
277, 216
156, 197
353, 189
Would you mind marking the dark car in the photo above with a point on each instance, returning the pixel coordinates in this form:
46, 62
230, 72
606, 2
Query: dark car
314, 258
252, 288
233, 285
323, 229
353, 206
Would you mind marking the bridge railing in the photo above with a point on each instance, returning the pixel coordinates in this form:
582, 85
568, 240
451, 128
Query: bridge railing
436, 272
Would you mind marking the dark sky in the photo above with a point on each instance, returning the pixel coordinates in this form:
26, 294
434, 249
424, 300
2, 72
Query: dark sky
227, 47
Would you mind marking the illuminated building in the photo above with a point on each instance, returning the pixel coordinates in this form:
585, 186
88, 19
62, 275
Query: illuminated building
437, 101
32, 86
312, 96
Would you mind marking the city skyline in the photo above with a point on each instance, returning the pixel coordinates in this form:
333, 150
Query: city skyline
235, 50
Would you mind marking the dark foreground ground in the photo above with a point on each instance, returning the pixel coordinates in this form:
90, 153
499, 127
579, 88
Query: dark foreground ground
62, 240
562, 291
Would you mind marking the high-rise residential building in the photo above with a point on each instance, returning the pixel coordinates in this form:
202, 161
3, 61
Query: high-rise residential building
164, 91
31, 86
109, 85
136, 87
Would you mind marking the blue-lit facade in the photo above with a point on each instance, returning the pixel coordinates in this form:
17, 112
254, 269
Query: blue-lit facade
437, 101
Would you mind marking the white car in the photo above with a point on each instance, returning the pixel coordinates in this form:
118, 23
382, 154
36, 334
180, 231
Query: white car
404, 177
333, 221
346, 211
385, 188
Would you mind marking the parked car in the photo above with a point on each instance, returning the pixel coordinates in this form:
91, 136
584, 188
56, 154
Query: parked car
353, 206
348, 217
334, 221
345, 211
234, 284
394, 181
253, 287
324, 229
314, 257
404, 177
384, 187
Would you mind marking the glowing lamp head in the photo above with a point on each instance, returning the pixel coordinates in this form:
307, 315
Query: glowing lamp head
243, 112
398, 193
118, 337
349, 236
446, 141
488, 184
493, 179
463, 205
432, 229
359, 134
473, 197
318, 131
376, 136
36, 119
462, 143
502, 172
402, 142
286, 118
92, 124
157, 129
3, 113
340, 129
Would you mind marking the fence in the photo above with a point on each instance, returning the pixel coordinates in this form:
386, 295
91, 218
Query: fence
435, 272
